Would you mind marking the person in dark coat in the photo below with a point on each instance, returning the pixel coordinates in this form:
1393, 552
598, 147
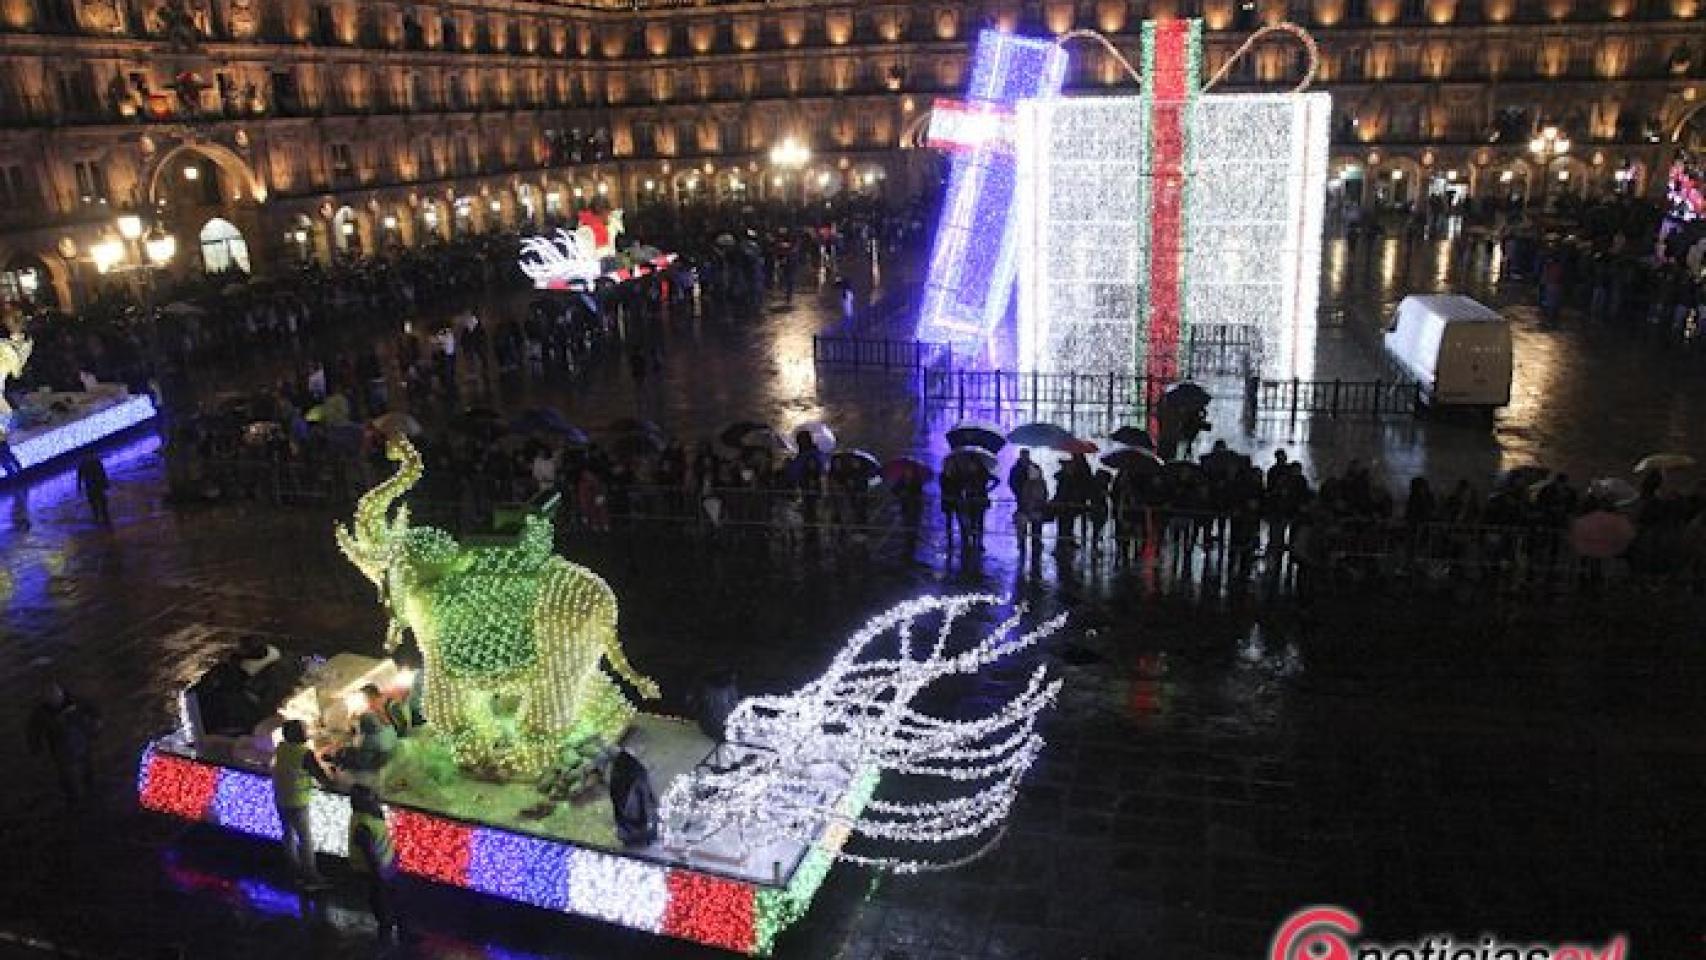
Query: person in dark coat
64, 727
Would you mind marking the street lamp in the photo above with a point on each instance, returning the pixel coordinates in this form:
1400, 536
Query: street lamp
1548, 146
161, 247
129, 226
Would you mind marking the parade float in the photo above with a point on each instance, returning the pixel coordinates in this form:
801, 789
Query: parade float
507, 787
578, 260
48, 424
1119, 223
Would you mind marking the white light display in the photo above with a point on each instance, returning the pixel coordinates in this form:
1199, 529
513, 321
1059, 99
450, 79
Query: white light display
1255, 201
58, 440
797, 753
328, 821
1083, 224
1255, 190
1141, 216
629, 892
567, 259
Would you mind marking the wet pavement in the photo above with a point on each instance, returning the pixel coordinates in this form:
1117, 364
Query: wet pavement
1440, 762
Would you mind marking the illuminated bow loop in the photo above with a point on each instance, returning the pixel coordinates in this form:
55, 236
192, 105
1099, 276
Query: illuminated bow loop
1289, 29
794, 756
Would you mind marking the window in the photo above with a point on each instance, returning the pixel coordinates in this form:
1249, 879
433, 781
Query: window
91, 181
325, 28
1353, 63
453, 90
426, 162
342, 164
464, 156
15, 188
448, 36
1356, 11
223, 248
76, 94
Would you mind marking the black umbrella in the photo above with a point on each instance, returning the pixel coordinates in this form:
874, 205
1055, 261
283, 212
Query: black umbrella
1133, 460
638, 443
1185, 471
630, 425
541, 420
734, 434
971, 433
1133, 437
1187, 396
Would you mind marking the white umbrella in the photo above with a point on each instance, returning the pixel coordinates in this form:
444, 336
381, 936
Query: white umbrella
820, 434
1665, 461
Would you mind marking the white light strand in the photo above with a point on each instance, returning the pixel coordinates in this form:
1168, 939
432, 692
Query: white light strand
798, 753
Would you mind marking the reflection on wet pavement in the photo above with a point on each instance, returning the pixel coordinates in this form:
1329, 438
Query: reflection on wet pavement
1436, 763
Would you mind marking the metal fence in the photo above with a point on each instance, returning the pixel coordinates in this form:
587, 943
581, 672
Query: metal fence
997, 390
1335, 398
875, 353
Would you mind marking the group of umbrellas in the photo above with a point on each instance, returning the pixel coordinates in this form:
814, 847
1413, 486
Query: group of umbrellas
1607, 531
1132, 449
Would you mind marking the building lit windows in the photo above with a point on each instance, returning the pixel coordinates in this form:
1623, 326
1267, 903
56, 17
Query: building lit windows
91, 182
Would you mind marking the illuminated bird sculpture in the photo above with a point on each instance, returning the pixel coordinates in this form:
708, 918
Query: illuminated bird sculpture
512, 637
790, 762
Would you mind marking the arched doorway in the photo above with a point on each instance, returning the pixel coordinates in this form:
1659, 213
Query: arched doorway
223, 248
26, 282
432, 222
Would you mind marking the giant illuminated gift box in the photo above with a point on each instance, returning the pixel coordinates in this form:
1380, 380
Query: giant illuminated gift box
970, 283
1139, 217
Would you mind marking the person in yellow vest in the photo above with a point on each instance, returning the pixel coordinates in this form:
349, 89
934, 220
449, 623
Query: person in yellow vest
373, 858
295, 770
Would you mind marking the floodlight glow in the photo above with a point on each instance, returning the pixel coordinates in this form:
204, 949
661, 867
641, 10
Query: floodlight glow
973, 265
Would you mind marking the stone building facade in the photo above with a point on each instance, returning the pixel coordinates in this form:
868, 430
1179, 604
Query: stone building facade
256, 131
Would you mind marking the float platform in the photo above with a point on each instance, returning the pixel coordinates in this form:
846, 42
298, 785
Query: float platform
54, 425
493, 838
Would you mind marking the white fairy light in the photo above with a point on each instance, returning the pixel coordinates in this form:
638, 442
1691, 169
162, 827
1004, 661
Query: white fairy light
618, 889
567, 259
795, 757
1255, 189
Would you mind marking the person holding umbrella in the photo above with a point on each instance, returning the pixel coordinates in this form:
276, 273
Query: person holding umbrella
1030, 499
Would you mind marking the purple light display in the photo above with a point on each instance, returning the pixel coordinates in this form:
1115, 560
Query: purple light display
519, 867
973, 263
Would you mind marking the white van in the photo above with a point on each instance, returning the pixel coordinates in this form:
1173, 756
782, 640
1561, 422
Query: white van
1458, 349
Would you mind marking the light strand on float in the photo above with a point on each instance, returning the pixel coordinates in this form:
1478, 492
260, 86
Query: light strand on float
860, 716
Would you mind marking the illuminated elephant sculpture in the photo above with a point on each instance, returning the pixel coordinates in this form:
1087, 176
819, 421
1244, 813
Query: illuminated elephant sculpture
511, 636
14, 356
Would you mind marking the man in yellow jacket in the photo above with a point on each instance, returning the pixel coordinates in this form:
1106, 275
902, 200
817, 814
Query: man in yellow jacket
295, 770
373, 858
